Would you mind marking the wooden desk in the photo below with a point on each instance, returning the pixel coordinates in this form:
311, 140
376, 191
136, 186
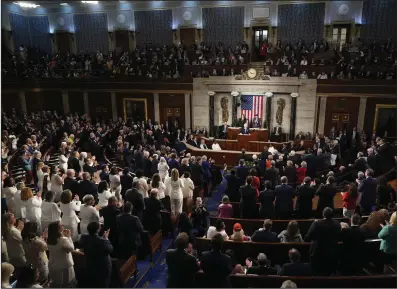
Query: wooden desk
256, 134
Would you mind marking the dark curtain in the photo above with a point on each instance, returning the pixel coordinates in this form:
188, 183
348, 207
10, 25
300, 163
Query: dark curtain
153, 27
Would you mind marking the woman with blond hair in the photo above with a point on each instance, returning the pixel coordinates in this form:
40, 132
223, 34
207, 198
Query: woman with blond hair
388, 245
69, 207
115, 183
238, 234
44, 183
11, 232
39, 172
292, 234
187, 192
50, 212
163, 168
6, 272
88, 213
175, 185
19, 208
32, 206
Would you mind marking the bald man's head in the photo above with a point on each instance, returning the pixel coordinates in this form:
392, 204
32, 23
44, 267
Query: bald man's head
294, 255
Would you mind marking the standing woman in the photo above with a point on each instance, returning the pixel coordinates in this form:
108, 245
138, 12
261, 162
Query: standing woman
56, 182
187, 191
50, 212
39, 174
176, 195
388, 245
13, 238
69, 207
104, 194
44, 183
32, 206
156, 183
163, 168
60, 246
35, 249
349, 198
8, 192
19, 208
63, 159
115, 183
88, 213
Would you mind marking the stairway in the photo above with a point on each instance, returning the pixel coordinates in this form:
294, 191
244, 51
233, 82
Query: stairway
258, 66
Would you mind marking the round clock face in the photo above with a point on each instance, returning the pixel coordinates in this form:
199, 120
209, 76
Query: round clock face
251, 73
120, 18
343, 9
187, 15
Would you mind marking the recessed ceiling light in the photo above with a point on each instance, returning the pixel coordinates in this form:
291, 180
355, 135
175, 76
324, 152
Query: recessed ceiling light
26, 4
64, 4
89, 2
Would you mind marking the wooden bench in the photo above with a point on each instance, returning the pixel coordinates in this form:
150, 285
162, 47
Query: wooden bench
150, 244
251, 225
271, 281
276, 252
122, 270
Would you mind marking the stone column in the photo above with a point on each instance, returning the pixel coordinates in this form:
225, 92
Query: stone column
22, 100
187, 111
361, 113
268, 110
114, 105
65, 102
156, 107
321, 114
211, 95
293, 116
86, 104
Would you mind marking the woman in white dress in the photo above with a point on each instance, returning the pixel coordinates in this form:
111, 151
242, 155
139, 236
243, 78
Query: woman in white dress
11, 230
175, 185
88, 213
188, 187
163, 168
82, 157
50, 212
39, 174
115, 184
56, 182
63, 159
19, 208
156, 183
44, 183
8, 191
104, 194
32, 206
60, 245
143, 186
69, 207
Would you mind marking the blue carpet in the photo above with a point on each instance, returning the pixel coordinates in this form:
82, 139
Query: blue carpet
145, 267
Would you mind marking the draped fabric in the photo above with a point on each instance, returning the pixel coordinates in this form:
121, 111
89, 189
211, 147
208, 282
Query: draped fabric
153, 27
39, 30
223, 24
305, 21
20, 30
91, 32
379, 19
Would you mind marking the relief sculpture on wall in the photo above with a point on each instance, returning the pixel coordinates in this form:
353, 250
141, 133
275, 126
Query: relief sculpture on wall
225, 109
280, 110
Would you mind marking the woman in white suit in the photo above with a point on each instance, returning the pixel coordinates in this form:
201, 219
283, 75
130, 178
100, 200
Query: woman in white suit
69, 207
8, 191
60, 264
115, 184
50, 212
56, 182
104, 194
13, 239
163, 168
44, 183
32, 206
19, 208
88, 213
63, 160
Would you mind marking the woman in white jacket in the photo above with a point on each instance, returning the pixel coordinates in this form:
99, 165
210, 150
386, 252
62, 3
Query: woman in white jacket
56, 182
60, 245
163, 168
50, 212
13, 238
32, 206
175, 186
69, 207
88, 213
104, 194
188, 187
44, 183
63, 160
163, 194
19, 209
8, 191
82, 157
115, 184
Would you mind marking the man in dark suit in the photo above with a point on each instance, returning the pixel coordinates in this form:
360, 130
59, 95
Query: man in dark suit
182, 266
136, 199
245, 129
197, 172
248, 200
70, 183
326, 194
352, 257
296, 267
372, 161
97, 252
284, 199
263, 267
305, 195
265, 234
129, 228
242, 172
272, 174
86, 187
265, 153
193, 141
310, 159
74, 163
126, 180
361, 163
36, 159
232, 187
216, 265
367, 188
256, 122
354, 138
109, 214
224, 129
324, 235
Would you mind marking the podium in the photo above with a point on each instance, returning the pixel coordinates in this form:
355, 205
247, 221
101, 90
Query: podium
256, 134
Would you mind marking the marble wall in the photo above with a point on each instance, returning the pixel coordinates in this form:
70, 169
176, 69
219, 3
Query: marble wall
306, 106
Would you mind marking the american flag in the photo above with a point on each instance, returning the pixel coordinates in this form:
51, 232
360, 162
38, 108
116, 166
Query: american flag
252, 105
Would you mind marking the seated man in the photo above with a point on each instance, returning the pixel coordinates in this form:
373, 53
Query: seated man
203, 146
245, 129
216, 146
296, 267
263, 267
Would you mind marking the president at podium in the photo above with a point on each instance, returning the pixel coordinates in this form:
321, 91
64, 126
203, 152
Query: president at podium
245, 129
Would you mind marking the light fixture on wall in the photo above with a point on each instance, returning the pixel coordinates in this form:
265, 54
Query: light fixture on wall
211, 93
234, 93
269, 94
89, 2
26, 5
294, 94
64, 4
